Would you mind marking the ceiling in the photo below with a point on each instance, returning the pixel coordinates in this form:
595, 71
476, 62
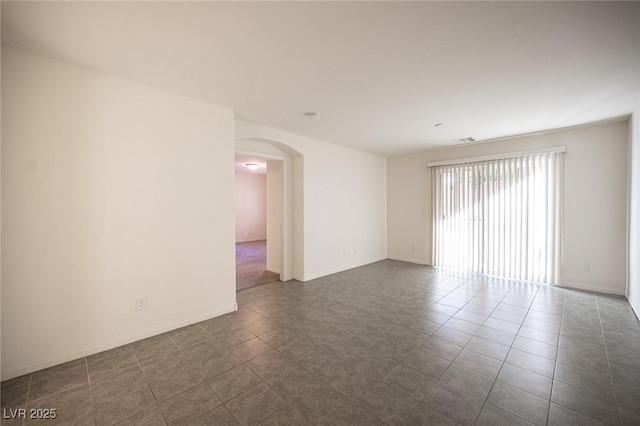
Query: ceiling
381, 74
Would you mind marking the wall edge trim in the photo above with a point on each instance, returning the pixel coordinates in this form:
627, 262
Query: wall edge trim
409, 260
342, 269
569, 285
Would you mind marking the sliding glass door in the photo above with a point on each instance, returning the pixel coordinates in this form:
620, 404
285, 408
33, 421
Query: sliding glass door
500, 217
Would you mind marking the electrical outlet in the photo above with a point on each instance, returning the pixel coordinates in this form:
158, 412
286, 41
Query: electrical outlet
355, 251
413, 247
141, 303
588, 267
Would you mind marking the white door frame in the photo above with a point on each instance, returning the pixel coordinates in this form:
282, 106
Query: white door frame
286, 234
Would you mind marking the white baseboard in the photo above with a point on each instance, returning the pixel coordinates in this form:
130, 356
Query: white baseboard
332, 271
274, 270
409, 259
251, 240
71, 355
590, 287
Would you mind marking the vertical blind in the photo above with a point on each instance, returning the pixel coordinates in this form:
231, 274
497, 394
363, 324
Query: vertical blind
500, 217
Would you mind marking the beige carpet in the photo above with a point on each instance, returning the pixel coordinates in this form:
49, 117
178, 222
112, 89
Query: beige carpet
251, 263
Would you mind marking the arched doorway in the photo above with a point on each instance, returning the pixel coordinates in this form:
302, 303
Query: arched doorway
258, 220
290, 243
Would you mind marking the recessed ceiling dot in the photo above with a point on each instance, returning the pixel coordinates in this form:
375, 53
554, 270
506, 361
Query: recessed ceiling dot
312, 115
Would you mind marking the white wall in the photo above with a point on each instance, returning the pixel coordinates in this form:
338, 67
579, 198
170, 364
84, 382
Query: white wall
250, 207
595, 201
344, 202
274, 215
633, 286
110, 190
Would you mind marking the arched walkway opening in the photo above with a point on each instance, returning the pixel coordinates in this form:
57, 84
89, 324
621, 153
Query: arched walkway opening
284, 212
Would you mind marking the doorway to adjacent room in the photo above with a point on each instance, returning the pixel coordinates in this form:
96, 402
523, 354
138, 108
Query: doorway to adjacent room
258, 210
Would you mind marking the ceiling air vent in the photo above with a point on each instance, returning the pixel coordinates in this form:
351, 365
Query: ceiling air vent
465, 140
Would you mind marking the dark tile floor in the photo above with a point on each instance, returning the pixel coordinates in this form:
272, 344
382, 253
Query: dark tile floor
388, 343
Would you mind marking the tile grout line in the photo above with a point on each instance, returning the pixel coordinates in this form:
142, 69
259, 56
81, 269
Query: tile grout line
568, 407
606, 351
55, 393
496, 379
93, 404
505, 359
437, 379
205, 381
26, 401
555, 361
135, 355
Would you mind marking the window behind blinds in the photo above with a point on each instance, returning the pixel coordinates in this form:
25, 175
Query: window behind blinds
500, 217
